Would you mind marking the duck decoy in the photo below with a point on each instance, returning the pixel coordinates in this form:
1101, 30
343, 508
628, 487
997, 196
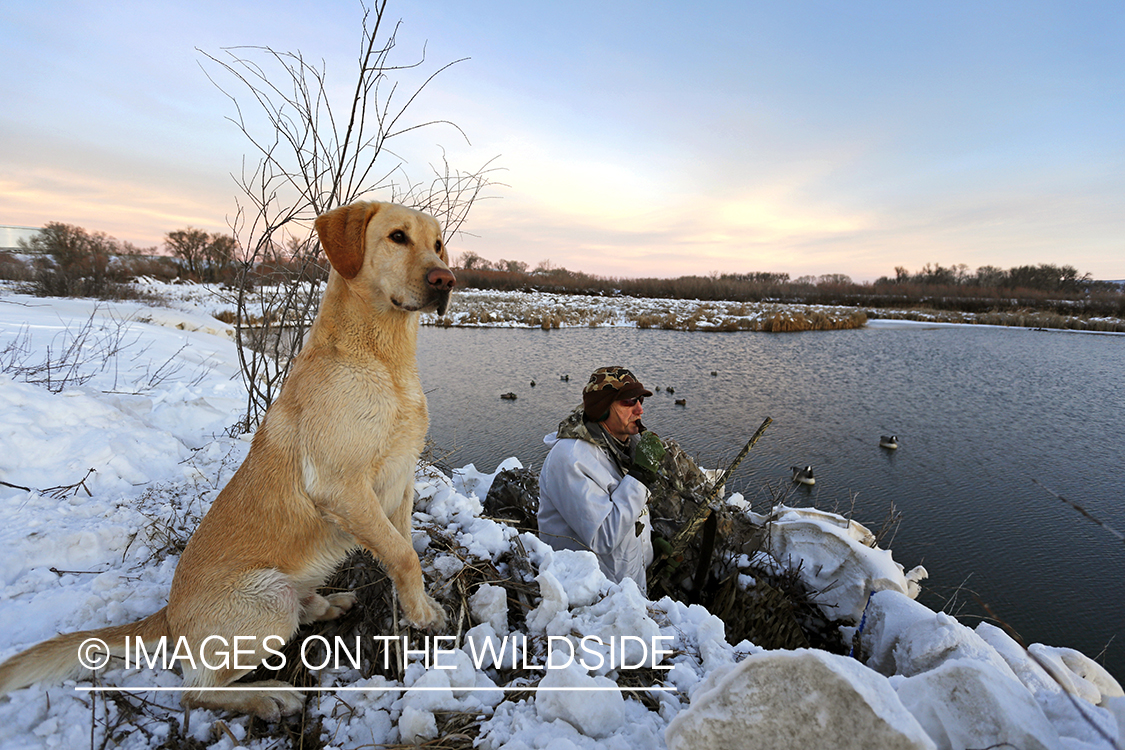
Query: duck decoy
890, 442
803, 476
532, 383
681, 402
508, 396
670, 390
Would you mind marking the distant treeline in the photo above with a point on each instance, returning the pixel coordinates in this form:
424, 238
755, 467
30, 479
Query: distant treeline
70, 261
1043, 277
1043, 287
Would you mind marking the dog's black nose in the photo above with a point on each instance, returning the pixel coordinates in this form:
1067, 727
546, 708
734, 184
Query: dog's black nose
441, 279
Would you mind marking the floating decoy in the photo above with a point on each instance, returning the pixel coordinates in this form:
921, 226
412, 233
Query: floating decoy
565, 378
532, 383
508, 396
714, 374
670, 390
889, 442
681, 402
804, 476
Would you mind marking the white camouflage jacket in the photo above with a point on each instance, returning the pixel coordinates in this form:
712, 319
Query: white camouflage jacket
586, 503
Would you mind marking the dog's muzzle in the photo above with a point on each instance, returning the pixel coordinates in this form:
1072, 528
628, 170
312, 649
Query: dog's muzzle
440, 281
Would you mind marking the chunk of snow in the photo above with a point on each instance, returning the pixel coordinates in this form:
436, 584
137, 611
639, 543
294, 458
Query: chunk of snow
797, 699
906, 638
834, 559
1077, 673
415, 725
592, 705
469, 481
554, 602
490, 604
965, 703
579, 574
1074, 719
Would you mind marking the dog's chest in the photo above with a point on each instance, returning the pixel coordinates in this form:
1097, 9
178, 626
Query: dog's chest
390, 405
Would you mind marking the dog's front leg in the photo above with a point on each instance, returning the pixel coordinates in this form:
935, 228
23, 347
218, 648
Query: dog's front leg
403, 515
396, 552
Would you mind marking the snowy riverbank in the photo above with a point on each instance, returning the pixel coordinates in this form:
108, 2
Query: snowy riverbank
144, 395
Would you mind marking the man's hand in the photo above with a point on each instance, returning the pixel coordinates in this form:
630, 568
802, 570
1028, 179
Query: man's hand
646, 459
649, 453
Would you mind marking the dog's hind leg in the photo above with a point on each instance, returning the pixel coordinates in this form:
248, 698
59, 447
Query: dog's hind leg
231, 635
269, 700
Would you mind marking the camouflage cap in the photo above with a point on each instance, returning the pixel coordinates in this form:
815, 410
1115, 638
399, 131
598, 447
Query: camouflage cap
606, 385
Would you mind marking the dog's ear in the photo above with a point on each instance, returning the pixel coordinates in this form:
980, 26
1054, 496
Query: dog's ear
342, 231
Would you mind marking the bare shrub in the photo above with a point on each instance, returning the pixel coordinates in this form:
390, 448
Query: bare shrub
14, 269
312, 157
207, 257
72, 262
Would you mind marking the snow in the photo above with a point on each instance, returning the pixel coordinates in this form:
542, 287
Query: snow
146, 400
966, 703
837, 559
803, 698
598, 718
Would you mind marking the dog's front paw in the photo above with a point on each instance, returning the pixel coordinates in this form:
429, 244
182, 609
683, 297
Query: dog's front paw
427, 615
341, 602
317, 608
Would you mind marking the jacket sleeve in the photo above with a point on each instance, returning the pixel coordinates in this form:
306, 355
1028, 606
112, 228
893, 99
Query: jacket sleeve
600, 506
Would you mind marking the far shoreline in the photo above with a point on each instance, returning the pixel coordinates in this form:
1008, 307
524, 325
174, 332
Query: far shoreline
891, 323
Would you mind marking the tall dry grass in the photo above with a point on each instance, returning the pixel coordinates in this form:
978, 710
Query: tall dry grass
547, 311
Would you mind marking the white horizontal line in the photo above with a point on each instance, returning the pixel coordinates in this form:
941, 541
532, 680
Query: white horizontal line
290, 689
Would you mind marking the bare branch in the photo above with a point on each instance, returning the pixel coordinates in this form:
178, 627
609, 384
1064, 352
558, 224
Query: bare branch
308, 162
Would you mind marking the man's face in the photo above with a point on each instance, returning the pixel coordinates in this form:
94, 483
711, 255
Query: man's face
624, 417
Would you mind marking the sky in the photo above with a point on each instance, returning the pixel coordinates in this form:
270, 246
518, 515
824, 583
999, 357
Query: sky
627, 139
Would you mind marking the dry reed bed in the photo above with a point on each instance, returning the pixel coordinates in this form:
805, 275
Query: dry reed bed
475, 308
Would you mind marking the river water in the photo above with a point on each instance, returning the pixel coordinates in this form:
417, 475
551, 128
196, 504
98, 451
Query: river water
988, 419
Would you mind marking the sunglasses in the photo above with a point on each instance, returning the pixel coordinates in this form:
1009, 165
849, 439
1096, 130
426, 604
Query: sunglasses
632, 401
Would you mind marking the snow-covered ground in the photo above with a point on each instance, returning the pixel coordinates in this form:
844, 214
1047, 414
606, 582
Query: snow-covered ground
144, 396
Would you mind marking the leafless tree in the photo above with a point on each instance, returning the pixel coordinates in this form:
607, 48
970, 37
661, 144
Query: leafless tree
72, 262
206, 257
311, 156
470, 261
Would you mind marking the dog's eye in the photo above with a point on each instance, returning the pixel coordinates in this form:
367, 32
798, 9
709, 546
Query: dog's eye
437, 246
398, 237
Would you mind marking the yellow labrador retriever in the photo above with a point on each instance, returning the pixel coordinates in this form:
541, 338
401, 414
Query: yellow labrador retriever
331, 468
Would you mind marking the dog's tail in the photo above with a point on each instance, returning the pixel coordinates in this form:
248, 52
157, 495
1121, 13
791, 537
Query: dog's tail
72, 655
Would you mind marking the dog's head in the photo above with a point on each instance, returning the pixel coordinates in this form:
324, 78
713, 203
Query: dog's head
391, 250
